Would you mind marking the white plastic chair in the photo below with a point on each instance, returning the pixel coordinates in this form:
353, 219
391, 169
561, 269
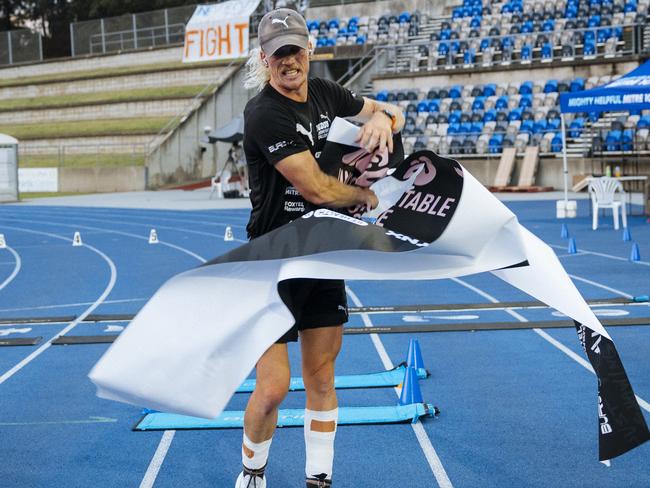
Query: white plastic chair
602, 191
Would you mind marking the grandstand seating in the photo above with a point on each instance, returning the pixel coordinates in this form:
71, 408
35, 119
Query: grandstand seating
483, 32
483, 119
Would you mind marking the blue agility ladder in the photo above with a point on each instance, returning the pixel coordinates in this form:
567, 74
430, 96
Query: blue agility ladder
384, 379
290, 417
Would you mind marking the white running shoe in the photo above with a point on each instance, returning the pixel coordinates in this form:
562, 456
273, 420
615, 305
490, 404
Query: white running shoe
246, 480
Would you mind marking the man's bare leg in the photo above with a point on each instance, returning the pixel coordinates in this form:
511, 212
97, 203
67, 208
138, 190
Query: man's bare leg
320, 347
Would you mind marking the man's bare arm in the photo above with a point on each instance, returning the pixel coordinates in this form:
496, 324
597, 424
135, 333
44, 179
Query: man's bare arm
378, 129
303, 173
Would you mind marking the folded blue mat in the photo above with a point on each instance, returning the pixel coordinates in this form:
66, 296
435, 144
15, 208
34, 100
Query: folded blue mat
384, 379
290, 417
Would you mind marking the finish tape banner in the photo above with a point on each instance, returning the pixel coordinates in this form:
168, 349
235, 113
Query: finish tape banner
200, 335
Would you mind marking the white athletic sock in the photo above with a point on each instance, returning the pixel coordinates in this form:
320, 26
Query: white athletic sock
260, 453
319, 446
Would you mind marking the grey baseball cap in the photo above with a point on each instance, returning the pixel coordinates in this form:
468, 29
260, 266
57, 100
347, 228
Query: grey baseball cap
282, 27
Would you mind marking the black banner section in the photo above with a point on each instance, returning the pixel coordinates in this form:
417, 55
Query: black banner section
621, 426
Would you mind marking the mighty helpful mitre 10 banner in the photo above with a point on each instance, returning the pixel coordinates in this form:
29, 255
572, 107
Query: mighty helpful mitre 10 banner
219, 31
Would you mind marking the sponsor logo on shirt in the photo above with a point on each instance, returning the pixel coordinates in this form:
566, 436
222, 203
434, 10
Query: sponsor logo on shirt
278, 145
300, 129
323, 128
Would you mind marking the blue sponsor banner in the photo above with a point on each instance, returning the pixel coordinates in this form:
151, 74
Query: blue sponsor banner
630, 92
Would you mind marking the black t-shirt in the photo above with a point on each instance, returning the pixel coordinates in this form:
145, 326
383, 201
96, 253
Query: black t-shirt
276, 127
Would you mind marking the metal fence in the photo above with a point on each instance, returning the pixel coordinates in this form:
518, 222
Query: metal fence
130, 31
20, 46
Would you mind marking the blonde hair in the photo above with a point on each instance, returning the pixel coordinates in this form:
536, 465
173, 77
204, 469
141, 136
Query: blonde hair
258, 74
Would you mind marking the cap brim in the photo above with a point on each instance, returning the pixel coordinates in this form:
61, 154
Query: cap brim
273, 45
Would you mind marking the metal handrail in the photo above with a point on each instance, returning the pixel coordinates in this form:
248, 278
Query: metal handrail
354, 69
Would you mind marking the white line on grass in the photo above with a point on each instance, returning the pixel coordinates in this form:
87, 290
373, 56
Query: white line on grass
16, 268
425, 443
73, 324
580, 360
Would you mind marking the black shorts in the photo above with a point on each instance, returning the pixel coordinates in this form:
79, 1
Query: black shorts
314, 303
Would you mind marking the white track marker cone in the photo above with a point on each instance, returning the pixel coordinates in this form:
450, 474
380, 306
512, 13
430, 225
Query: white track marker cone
3, 243
153, 237
76, 240
227, 236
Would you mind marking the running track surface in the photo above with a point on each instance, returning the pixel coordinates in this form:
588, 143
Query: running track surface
518, 408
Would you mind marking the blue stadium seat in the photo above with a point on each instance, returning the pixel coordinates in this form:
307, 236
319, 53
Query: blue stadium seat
423, 106
548, 26
361, 39
643, 122
453, 128
477, 127
526, 52
479, 103
526, 101
627, 140
550, 86
577, 85
575, 129
594, 116
496, 143
501, 103
613, 140
589, 48
604, 34
404, 17
382, 96
526, 88
490, 115
333, 23
527, 27
434, 106
514, 114
455, 91
454, 117
547, 50
553, 124
489, 89
469, 57
556, 144
527, 126
540, 126
457, 13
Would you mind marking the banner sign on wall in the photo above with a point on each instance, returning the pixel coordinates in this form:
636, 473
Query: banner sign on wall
38, 179
219, 31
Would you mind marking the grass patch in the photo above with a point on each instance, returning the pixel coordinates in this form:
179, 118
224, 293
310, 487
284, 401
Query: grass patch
81, 99
106, 73
81, 160
47, 194
86, 128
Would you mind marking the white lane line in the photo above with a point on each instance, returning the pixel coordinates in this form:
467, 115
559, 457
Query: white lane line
150, 225
206, 222
158, 459
600, 285
110, 231
603, 255
66, 305
73, 324
14, 273
425, 443
580, 360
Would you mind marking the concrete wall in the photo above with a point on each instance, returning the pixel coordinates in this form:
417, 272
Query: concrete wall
178, 156
102, 179
128, 110
549, 172
176, 77
92, 62
85, 145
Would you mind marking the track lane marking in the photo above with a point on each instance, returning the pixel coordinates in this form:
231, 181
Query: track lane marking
16, 269
425, 443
